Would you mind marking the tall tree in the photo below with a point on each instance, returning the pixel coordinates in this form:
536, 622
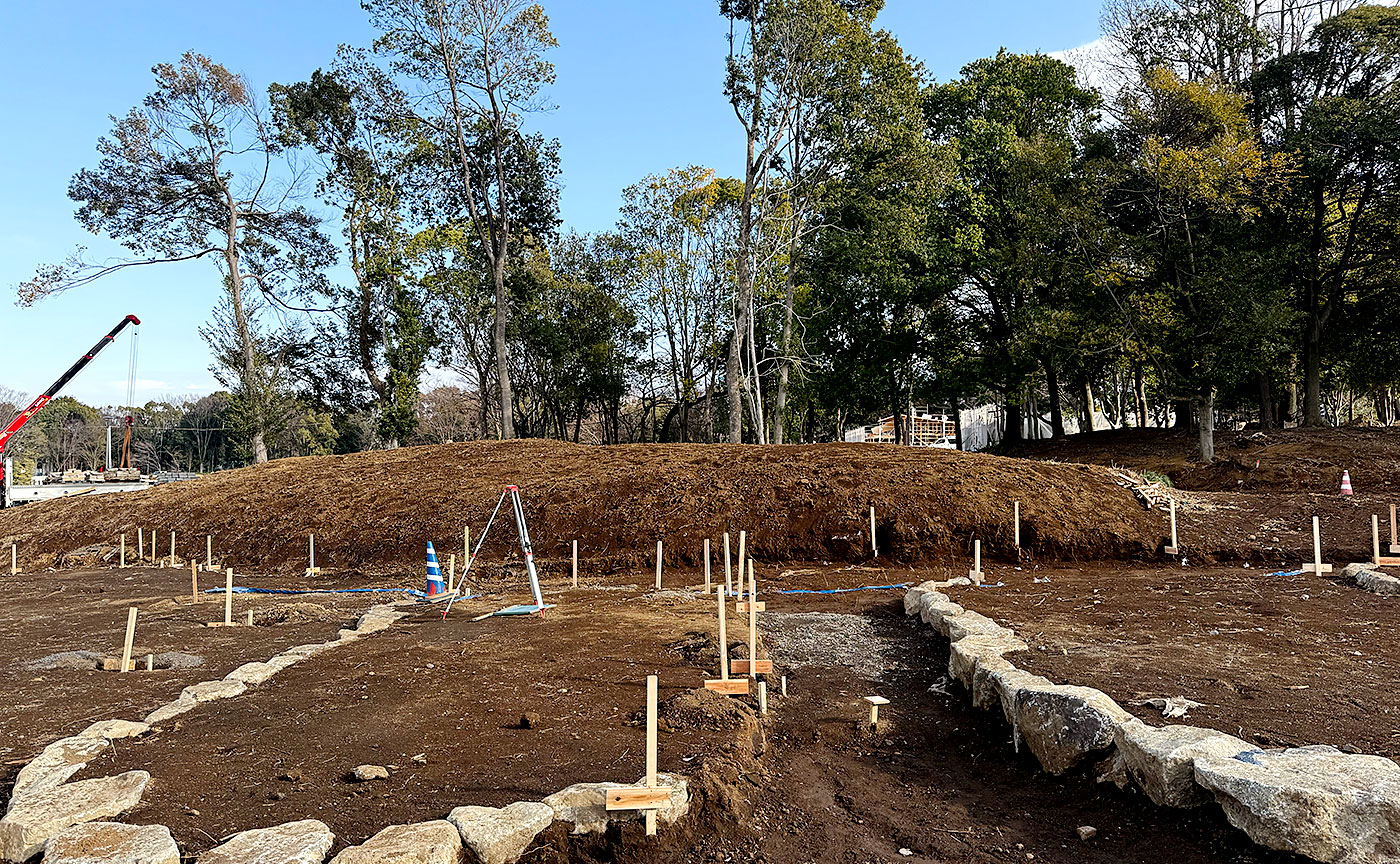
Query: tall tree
477, 66
195, 172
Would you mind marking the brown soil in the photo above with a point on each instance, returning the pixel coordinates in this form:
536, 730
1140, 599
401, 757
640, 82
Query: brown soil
1278, 660
1278, 460
57, 612
372, 511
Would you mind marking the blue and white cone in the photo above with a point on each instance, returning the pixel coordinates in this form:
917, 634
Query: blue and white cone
435, 583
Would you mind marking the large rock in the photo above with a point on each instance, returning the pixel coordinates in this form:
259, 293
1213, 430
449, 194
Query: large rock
304, 842
1007, 685
1062, 725
1162, 761
59, 761
585, 807
965, 654
253, 673
378, 618
501, 835
936, 610
914, 597
112, 843
35, 818
435, 842
209, 691
967, 623
115, 729
1315, 801
170, 710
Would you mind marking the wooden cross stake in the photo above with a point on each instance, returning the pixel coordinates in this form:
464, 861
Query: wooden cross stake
658, 565
130, 635
723, 684
651, 797
875, 703
976, 574
1172, 549
1317, 566
753, 623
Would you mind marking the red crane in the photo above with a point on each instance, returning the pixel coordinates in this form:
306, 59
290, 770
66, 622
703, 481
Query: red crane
38, 404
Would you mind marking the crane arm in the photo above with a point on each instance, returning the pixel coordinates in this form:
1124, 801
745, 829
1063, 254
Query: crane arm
38, 404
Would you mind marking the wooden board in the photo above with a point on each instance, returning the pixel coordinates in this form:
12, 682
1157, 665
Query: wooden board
1170, 550
222, 624
729, 687
1312, 568
638, 798
741, 667
743, 606
1385, 561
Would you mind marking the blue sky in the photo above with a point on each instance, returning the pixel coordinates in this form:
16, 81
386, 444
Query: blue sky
639, 91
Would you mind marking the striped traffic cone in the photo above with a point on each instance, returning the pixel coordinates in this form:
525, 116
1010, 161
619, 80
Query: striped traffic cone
1346, 483
435, 583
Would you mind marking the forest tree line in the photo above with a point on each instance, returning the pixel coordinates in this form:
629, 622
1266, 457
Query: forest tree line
1201, 220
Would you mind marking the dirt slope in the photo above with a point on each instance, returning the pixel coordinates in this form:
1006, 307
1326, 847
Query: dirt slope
372, 511
1277, 460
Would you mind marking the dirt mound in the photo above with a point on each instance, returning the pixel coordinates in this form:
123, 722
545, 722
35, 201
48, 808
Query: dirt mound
373, 511
1278, 460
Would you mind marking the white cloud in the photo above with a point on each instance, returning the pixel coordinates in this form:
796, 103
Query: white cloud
1094, 62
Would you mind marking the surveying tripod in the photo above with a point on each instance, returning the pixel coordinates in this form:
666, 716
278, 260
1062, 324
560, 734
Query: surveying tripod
513, 492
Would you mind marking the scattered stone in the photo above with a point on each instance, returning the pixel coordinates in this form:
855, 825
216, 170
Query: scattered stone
209, 691
253, 673
112, 843
1087, 832
59, 761
170, 710
33, 819
436, 842
1315, 801
365, 773
1161, 762
1063, 725
304, 842
907, 853
115, 729
530, 720
501, 835
178, 660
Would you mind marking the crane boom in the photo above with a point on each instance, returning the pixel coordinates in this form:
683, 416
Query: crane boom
38, 404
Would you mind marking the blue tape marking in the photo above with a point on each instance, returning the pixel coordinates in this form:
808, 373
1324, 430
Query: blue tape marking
1286, 573
241, 589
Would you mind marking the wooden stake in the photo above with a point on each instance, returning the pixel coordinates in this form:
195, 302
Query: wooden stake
172, 548
194, 581
140, 544
228, 597
763, 697
1172, 549
875, 703
728, 569
739, 576
1376, 539
208, 551
467, 551
651, 748
707, 565
130, 635
250, 617
874, 548
1394, 539
122, 560
1317, 566
150, 662
976, 574
14, 558
658, 565
1017, 511
723, 639
753, 623
784, 686
311, 555
451, 572
575, 563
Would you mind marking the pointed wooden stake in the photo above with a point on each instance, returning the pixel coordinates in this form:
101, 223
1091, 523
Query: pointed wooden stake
1174, 548
707, 565
122, 561
194, 582
130, 635
575, 564
658, 565
1317, 566
874, 547
728, 568
753, 623
228, 598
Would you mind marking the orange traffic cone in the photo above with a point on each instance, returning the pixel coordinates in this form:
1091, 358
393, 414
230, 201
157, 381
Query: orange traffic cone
1346, 483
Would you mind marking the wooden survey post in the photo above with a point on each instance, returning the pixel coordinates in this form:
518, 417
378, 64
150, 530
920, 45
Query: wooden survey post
739, 576
194, 582
451, 572
1317, 566
976, 574
658, 564
575, 568
140, 544
651, 797
311, 569
130, 636
707, 565
121, 562
1173, 548
875, 703
728, 568
874, 547
724, 685
753, 622
172, 548
209, 552
14, 558
1016, 527
1380, 560
1394, 539
228, 597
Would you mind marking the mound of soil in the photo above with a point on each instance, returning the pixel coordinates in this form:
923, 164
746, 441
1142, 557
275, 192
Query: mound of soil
373, 511
1278, 460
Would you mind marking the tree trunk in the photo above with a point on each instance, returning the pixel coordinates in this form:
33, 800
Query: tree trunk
785, 351
1140, 396
1057, 410
1183, 415
249, 378
1266, 401
1207, 424
1086, 395
957, 424
1012, 434
1312, 376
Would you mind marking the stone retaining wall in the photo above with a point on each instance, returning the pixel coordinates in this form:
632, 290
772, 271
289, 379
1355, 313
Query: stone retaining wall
1315, 801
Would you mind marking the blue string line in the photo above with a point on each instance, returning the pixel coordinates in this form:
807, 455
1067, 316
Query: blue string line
845, 590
